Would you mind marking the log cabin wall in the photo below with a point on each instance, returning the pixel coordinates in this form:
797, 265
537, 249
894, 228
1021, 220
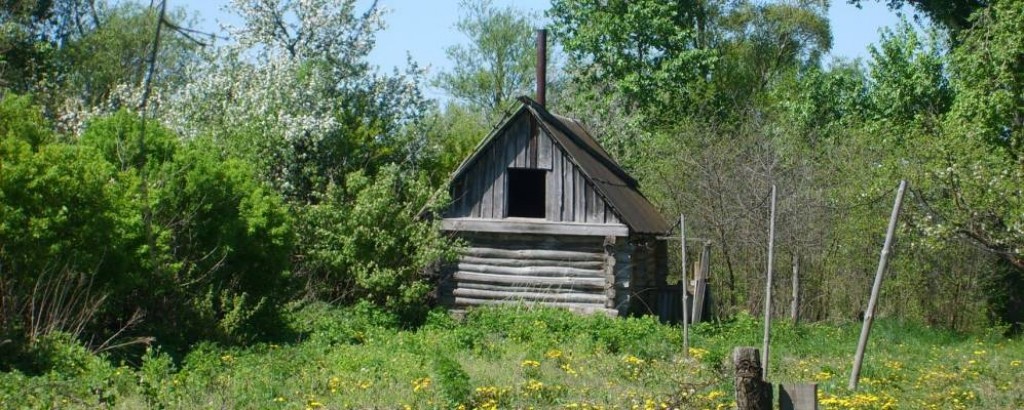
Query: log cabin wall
588, 274
481, 191
647, 278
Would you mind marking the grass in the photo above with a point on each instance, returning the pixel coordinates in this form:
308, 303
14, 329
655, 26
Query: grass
514, 358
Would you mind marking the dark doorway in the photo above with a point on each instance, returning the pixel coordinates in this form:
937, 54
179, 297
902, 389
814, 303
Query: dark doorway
526, 192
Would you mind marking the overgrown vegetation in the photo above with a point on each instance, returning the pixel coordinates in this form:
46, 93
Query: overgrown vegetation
255, 218
516, 358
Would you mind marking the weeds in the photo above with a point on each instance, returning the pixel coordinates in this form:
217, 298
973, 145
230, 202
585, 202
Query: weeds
359, 357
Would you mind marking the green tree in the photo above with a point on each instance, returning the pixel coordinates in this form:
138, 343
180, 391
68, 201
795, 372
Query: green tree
655, 53
497, 64
951, 14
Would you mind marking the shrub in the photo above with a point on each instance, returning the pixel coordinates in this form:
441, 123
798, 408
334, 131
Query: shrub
366, 241
223, 241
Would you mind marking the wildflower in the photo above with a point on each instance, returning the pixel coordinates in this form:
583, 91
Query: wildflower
530, 363
534, 385
1015, 363
568, 369
227, 358
698, 353
365, 384
715, 395
633, 360
823, 376
420, 384
553, 354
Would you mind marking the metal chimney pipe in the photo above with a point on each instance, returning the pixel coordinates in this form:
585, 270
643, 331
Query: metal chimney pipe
542, 63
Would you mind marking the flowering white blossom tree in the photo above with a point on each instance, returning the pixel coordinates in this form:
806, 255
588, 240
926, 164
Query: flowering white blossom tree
296, 95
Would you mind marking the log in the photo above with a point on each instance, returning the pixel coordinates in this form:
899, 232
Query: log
752, 392
533, 254
594, 283
519, 263
577, 307
531, 296
531, 270
528, 287
501, 240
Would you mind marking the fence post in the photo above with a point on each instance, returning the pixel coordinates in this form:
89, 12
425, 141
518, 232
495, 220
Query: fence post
768, 289
752, 392
794, 306
682, 284
883, 261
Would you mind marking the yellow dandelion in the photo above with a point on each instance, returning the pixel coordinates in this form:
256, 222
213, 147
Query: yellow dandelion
420, 384
530, 363
534, 385
568, 369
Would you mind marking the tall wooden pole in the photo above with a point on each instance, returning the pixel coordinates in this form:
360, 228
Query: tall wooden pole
794, 305
768, 289
883, 261
682, 284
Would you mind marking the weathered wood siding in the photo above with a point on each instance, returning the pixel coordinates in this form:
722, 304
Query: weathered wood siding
583, 273
480, 192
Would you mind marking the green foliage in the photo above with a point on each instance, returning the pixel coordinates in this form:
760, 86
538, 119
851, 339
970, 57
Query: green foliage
223, 240
117, 138
908, 78
367, 241
908, 366
653, 52
56, 203
451, 137
453, 380
954, 15
497, 64
21, 120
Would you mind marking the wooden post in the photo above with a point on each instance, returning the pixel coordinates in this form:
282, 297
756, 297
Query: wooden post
798, 396
768, 288
794, 306
682, 284
883, 261
752, 392
700, 282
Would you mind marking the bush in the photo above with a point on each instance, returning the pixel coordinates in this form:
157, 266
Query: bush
223, 241
366, 241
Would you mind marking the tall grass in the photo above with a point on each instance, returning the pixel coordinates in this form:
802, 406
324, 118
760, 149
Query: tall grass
511, 357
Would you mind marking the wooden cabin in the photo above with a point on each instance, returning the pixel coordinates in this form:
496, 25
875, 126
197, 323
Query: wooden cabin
550, 218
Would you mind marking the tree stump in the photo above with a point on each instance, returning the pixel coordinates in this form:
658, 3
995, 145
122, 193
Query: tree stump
752, 392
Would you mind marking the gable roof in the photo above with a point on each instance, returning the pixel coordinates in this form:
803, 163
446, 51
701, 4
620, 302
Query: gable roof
619, 190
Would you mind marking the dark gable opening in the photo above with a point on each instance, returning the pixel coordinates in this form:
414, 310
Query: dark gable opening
526, 192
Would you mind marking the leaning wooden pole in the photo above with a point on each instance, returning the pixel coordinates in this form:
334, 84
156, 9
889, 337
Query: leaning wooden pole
682, 284
768, 289
883, 261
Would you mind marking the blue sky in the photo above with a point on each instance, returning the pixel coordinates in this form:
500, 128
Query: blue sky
424, 28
